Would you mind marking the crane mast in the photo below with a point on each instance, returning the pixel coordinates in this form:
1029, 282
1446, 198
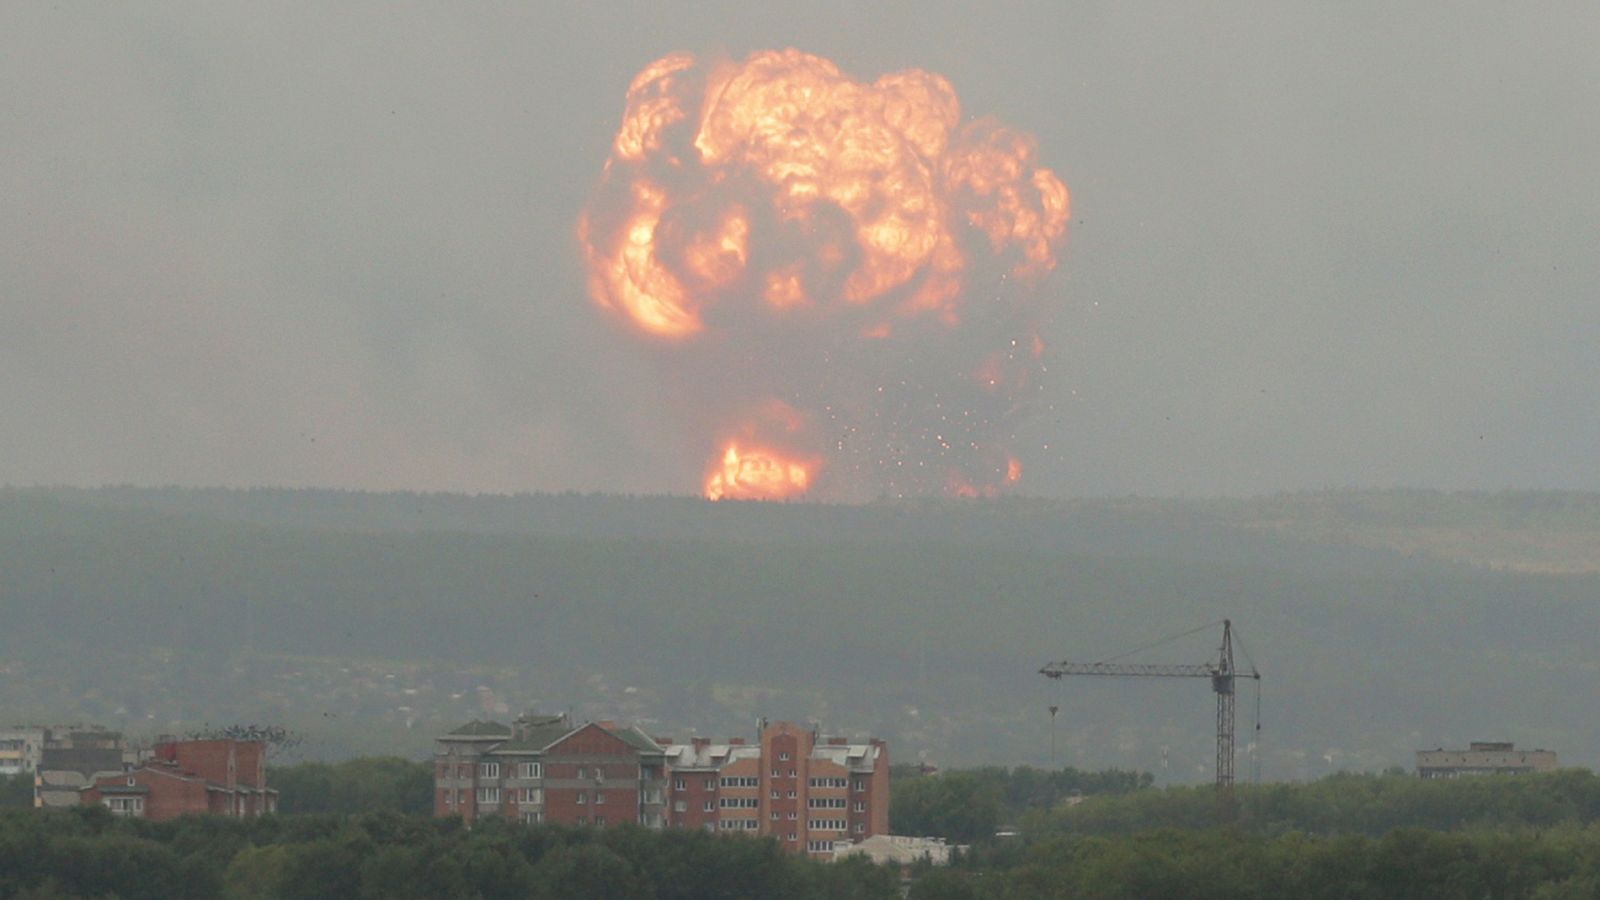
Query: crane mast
1222, 673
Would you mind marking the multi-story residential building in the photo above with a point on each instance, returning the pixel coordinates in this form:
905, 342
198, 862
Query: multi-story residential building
810, 792
71, 758
218, 777
20, 749
1484, 758
546, 769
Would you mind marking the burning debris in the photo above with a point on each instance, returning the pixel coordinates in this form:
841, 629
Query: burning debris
837, 278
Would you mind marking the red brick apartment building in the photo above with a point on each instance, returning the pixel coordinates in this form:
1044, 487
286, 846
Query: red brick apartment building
220, 777
809, 792
546, 769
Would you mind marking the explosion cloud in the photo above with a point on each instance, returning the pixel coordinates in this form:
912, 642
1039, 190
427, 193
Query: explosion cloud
837, 278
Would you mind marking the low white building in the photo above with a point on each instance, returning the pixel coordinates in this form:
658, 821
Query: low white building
1484, 758
898, 849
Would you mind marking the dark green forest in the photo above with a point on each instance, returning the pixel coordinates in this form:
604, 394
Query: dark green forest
1069, 833
1347, 835
368, 623
89, 853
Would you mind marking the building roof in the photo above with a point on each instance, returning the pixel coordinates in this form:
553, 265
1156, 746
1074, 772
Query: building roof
637, 739
477, 729
535, 738
887, 848
852, 756
709, 756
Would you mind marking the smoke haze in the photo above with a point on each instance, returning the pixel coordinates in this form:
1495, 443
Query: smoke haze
1317, 246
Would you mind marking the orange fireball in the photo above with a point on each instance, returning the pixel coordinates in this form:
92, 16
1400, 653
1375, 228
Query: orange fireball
778, 206
756, 475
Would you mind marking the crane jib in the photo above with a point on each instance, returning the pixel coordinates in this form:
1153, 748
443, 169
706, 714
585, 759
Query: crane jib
1222, 674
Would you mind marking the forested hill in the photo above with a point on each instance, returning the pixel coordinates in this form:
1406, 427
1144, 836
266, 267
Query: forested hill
1529, 530
1385, 622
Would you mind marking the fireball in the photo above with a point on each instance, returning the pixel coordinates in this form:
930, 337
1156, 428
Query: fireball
776, 232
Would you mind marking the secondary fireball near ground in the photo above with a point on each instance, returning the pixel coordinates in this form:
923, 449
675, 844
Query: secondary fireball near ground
838, 279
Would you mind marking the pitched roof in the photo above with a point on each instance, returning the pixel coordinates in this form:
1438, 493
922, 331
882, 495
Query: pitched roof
536, 737
476, 728
637, 739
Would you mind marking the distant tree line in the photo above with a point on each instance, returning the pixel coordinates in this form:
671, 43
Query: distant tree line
1346, 836
363, 785
90, 853
966, 805
1344, 803
1226, 864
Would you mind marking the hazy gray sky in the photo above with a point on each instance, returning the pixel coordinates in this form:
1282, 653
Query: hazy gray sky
1313, 244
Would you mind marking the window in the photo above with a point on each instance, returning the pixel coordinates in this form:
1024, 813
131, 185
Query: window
599, 820
708, 807
533, 795
582, 798
774, 815
599, 797
777, 773
599, 774
711, 784
680, 784
741, 781
583, 820
489, 770
489, 796
710, 826
861, 785
126, 806
791, 795
793, 836
740, 802
827, 782
774, 795
793, 814
791, 773
582, 772
680, 806
861, 827
533, 818
529, 770
783, 757
827, 825
819, 846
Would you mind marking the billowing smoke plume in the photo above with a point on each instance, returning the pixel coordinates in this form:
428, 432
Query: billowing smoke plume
837, 278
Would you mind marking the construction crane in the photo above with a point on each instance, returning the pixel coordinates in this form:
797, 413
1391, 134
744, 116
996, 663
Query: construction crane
1222, 674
